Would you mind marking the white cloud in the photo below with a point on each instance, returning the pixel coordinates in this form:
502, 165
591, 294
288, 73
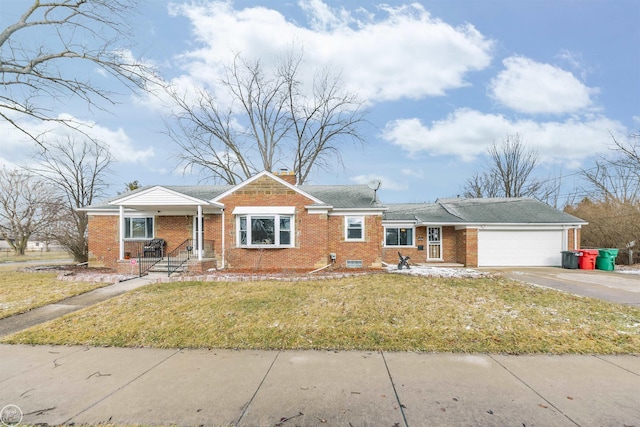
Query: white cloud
387, 183
322, 18
405, 53
468, 133
412, 173
16, 147
534, 88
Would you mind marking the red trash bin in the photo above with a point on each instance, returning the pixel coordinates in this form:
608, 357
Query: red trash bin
587, 259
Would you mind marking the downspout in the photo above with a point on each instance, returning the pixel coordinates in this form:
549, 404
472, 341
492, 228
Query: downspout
200, 233
575, 238
223, 238
121, 256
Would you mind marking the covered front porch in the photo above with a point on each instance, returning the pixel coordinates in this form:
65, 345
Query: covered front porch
177, 234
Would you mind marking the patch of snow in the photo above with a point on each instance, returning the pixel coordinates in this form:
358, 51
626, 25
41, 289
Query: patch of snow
427, 271
629, 271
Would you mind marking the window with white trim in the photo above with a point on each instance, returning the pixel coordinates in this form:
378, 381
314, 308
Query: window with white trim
398, 236
265, 231
138, 228
354, 228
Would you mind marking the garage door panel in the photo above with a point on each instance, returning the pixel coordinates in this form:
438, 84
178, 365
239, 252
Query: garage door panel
514, 248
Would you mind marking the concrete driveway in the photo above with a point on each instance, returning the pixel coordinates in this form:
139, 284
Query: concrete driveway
612, 286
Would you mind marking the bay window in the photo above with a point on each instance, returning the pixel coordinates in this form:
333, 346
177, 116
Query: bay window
258, 230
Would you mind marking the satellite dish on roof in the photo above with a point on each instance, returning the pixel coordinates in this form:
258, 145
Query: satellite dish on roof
374, 185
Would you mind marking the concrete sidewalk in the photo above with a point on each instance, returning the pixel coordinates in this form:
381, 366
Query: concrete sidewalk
80, 385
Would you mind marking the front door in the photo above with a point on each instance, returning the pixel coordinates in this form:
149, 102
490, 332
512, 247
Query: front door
434, 248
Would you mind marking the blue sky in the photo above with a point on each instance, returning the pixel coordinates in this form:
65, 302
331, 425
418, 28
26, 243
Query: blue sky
442, 81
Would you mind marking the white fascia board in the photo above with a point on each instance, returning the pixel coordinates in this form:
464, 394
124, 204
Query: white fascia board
399, 223
356, 211
257, 210
270, 175
318, 210
524, 226
102, 211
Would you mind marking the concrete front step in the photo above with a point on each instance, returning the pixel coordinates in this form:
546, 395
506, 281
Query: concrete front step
163, 268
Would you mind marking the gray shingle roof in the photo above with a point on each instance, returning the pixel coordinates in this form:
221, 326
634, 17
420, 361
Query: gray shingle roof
202, 192
420, 212
483, 211
338, 196
443, 211
342, 196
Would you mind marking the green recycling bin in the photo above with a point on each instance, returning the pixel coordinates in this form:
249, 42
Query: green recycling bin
570, 259
606, 260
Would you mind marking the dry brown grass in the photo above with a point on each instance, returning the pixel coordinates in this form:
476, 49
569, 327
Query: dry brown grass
21, 292
7, 255
376, 312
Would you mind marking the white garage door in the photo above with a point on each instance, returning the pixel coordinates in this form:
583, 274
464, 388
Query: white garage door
519, 248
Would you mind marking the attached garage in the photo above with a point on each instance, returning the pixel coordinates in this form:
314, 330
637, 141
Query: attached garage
484, 232
520, 248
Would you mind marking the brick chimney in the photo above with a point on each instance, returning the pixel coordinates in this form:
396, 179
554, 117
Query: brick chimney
288, 176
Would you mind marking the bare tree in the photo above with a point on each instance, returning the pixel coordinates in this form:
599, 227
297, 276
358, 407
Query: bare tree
509, 173
482, 184
34, 66
78, 169
28, 206
616, 178
270, 123
612, 223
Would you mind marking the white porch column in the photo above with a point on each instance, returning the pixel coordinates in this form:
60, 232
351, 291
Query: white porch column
200, 233
121, 257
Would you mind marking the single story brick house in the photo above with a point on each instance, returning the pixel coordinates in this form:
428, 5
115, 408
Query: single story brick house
268, 223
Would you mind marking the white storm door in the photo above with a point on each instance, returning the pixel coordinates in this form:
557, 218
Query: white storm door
434, 243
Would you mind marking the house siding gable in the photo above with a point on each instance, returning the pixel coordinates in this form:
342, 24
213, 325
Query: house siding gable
158, 196
310, 249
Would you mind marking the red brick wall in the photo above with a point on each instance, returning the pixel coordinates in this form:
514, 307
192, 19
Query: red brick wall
288, 176
368, 251
570, 239
103, 241
316, 235
449, 247
104, 246
470, 236
449, 244
461, 246
309, 236
174, 230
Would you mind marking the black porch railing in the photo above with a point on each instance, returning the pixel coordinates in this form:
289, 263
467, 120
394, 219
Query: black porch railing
184, 252
180, 255
148, 254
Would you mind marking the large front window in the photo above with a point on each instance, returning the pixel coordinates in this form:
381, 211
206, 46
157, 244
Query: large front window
138, 228
398, 236
265, 230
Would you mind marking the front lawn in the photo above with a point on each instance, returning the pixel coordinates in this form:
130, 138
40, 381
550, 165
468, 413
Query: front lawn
373, 312
21, 291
